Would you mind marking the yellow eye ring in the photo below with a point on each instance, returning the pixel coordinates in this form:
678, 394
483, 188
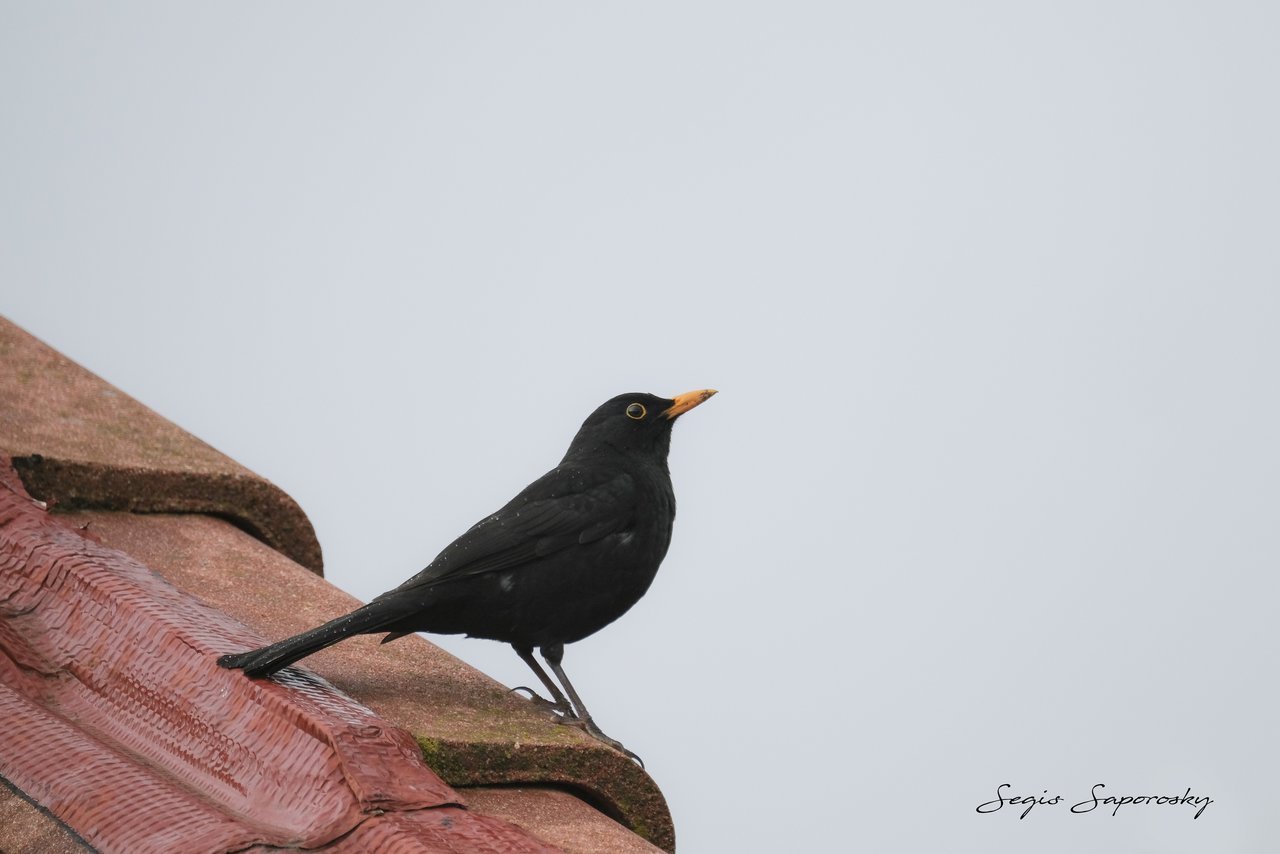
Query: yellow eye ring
636, 411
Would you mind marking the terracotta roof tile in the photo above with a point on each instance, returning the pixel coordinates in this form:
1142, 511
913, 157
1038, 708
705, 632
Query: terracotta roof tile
80, 442
557, 817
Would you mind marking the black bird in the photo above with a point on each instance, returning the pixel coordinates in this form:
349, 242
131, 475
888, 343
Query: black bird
563, 559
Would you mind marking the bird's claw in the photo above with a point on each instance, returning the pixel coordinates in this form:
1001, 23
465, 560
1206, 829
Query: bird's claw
563, 711
566, 716
589, 726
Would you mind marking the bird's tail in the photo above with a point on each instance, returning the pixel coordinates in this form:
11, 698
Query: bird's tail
269, 659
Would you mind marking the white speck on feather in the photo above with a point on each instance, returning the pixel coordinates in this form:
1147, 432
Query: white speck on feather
506, 582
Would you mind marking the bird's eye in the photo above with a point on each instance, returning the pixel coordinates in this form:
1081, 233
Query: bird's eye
636, 411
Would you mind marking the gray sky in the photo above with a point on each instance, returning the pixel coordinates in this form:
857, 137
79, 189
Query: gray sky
990, 291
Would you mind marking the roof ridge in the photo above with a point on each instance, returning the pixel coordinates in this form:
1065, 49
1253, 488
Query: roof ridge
109, 687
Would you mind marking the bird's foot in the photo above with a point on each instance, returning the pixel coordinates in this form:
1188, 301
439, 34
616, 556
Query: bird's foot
589, 726
566, 716
562, 710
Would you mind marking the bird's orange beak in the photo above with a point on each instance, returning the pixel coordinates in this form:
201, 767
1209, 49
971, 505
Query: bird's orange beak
688, 400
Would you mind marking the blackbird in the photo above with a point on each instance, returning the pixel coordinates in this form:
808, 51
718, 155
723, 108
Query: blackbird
563, 559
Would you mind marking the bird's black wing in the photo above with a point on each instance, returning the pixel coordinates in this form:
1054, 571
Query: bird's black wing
567, 506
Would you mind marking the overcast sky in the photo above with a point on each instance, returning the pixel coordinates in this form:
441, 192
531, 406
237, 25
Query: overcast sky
991, 293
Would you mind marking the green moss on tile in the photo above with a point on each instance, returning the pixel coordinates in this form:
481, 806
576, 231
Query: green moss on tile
441, 760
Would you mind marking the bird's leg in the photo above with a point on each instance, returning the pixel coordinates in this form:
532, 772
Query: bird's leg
560, 705
554, 655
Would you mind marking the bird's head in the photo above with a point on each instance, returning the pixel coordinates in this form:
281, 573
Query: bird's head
635, 422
